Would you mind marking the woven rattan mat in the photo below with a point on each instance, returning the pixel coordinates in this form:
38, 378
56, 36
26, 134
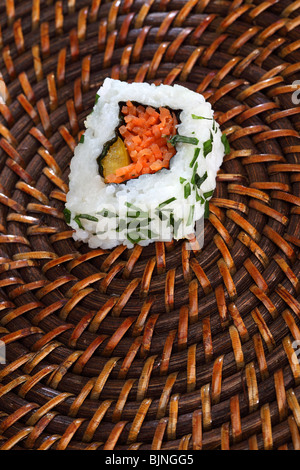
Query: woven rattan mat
157, 347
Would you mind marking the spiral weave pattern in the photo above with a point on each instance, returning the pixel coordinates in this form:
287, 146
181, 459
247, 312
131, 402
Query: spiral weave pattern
156, 347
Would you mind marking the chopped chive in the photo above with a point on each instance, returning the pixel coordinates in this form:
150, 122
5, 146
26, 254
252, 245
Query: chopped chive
81, 139
162, 216
84, 216
133, 215
225, 143
175, 224
97, 98
67, 215
196, 153
88, 217
191, 215
133, 240
199, 198
182, 180
106, 213
187, 190
168, 201
135, 209
208, 194
137, 214
77, 220
206, 210
207, 147
184, 139
138, 224
194, 116
194, 173
129, 204
200, 179
171, 220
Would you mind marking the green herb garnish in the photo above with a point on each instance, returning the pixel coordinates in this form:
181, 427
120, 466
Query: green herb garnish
187, 190
206, 210
207, 147
182, 180
225, 143
199, 198
184, 139
160, 209
134, 240
168, 201
97, 98
137, 215
136, 212
106, 213
194, 116
208, 194
196, 154
84, 216
67, 215
191, 215
194, 173
77, 220
175, 224
200, 179
81, 139
162, 216
88, 217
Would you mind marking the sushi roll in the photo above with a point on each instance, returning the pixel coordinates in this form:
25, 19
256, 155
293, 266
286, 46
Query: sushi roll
145, 167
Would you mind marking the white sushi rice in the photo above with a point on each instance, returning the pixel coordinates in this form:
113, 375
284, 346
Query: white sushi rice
107, 215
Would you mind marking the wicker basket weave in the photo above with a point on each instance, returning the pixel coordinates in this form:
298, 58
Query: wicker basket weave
157, 347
